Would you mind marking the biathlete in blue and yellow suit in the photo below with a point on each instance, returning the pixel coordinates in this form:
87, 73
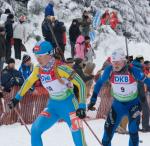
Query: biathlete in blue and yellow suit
58, 80
123, 79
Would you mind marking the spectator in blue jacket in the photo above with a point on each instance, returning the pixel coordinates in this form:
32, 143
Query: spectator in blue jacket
26, 67
49, 9
11, 77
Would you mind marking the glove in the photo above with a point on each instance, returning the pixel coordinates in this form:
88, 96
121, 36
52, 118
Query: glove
81, 113
13, 103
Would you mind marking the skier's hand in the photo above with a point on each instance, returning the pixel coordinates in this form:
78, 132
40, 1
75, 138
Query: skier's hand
81, 113
13, 102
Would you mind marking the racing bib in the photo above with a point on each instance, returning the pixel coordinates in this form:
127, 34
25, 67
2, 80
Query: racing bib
55, 88
124, 87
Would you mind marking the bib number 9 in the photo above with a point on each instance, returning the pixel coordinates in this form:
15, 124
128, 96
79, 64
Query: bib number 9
122, 89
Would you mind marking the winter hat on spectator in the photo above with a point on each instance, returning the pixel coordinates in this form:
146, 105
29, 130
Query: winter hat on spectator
10, 16
7, 11
49, 9
51, 2
146, 62
69, 60
11, 60
118, 55
87, 38
26, 58
78, 60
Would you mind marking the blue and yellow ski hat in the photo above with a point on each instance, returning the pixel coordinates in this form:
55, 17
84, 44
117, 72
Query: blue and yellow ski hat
43, 48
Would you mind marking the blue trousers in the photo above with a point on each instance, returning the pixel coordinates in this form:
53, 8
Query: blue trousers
55, 111
118, 110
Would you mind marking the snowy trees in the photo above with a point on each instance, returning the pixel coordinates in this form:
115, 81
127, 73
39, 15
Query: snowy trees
134, 13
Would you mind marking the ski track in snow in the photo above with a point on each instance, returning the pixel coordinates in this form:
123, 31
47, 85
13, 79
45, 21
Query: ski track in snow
59, 135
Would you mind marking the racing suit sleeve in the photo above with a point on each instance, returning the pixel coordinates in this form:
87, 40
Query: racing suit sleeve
100, 83
28, 83
65, 71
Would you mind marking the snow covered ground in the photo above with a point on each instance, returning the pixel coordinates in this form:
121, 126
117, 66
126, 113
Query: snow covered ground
59, 135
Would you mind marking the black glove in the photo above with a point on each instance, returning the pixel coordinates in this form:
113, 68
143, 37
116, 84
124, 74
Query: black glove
81, 113
91, 106
13, 103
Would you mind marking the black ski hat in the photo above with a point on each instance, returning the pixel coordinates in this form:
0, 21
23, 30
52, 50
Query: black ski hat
78, 60
87, 38
69, 60
146, 62
7, 11
11, 60
26, 58
10, 16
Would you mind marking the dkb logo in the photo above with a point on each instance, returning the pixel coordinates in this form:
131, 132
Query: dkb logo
121, 79
45, 78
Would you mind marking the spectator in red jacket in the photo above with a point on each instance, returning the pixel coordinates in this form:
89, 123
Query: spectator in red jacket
113, 20
105, 18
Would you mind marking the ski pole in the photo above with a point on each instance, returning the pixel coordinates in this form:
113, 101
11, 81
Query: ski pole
127, 49
57, 44
93, 133
22, 120
20, 117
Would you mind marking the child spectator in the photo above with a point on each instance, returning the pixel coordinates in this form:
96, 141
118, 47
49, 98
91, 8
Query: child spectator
90, 54
26, 67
